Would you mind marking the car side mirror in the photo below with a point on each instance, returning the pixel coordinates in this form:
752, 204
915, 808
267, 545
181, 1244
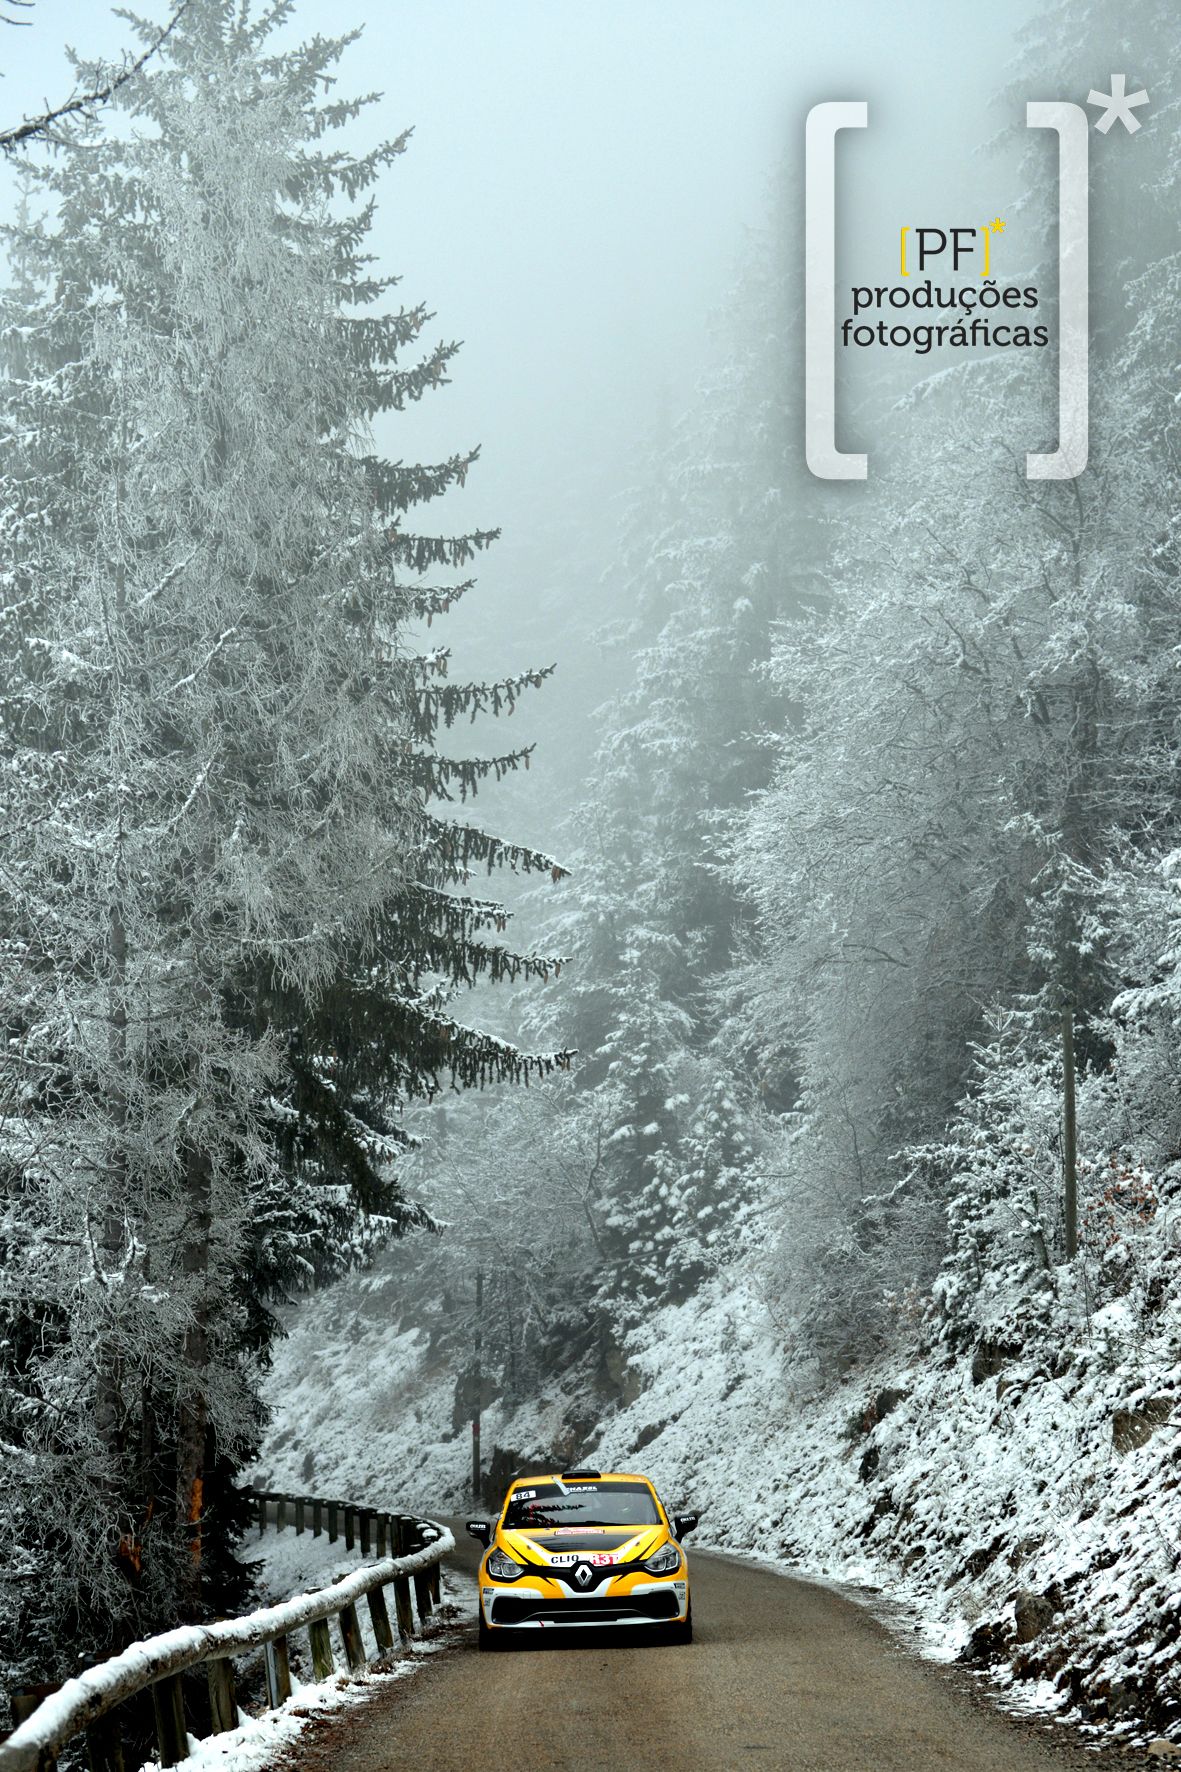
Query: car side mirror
683, 1523
480, 1529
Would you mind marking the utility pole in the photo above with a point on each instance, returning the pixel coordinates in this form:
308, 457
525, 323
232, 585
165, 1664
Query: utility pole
477, 1387
1069, 1168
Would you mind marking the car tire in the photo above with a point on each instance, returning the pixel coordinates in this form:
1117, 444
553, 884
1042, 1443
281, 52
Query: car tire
682, 1631
492, 1640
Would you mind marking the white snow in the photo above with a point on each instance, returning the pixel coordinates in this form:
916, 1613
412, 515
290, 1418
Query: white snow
978, 1491
253, 1745
59, 1716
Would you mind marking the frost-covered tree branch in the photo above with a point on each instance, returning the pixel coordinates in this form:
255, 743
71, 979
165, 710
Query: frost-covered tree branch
32, 127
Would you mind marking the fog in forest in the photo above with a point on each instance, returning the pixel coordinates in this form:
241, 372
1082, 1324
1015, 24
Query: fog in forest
573, 206
536, 931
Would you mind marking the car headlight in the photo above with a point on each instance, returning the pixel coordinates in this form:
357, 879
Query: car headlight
664, 1561
502, 1568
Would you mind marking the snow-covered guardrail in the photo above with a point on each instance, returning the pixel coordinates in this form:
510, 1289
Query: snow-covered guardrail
87, 1701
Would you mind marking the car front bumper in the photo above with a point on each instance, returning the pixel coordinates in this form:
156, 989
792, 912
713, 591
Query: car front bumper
525, 1607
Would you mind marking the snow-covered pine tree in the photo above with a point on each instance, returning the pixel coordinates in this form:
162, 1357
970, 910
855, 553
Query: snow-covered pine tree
989, 718
230, 908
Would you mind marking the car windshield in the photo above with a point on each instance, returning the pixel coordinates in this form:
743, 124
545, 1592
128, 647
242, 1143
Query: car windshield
538, 1505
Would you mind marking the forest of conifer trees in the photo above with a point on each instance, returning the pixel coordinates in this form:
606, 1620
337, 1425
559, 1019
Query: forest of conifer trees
879, 794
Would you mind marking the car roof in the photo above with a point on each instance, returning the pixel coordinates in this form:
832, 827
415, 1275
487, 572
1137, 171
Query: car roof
602, 1477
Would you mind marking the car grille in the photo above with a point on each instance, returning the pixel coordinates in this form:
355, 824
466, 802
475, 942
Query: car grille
516, 1609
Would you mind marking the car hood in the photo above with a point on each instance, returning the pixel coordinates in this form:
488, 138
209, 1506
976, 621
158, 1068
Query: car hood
620, 1544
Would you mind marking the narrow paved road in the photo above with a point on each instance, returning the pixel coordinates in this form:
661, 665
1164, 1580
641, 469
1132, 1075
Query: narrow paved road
782, 1675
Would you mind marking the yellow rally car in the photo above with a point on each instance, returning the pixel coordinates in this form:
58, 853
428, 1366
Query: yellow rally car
583, 1548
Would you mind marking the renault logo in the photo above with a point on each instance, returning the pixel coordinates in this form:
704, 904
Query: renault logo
584, 1575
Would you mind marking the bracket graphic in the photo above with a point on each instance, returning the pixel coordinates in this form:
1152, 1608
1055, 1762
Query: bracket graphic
1071, 125
1074, 300
820, 288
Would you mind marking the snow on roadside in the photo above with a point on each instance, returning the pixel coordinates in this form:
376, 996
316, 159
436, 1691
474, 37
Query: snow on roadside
1023, 1510
385, 1430
288, 1562
302, 1563
252, 1747
1026, 1510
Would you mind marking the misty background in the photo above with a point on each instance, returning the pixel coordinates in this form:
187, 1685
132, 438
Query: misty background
750, 1150
573, 206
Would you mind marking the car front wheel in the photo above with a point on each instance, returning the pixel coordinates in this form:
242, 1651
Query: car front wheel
491, 1639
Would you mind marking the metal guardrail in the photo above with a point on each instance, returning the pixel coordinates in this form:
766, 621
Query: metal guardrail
409, 1552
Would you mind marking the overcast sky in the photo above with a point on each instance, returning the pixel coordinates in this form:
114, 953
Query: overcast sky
572, 200
572, 206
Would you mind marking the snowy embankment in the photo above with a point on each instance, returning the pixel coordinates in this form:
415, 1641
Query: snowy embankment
1026, 1508
387, 1430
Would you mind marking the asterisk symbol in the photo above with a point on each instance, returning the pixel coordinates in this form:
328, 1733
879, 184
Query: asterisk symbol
1118, 103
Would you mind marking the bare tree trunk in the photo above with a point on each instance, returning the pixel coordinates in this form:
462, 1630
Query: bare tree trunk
1069, 1160
193, 1413
111, 1253
115, 1225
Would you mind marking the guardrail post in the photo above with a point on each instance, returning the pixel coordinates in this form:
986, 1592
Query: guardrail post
320, 1638
435, 1573
280, 1513
317, 1517
354, 1644
171, 1734
350, 1521
403, 1605
365, 1522
278, 1670
262, 1515
382, 1528
299, 1514
422, 1581
223, 1702
380, 1618
333, 1521
104, 1738
104, 1746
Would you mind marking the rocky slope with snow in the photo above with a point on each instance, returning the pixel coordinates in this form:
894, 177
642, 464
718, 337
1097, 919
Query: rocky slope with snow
1023, 1502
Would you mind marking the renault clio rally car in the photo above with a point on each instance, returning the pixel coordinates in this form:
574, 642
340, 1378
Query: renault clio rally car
583, 1548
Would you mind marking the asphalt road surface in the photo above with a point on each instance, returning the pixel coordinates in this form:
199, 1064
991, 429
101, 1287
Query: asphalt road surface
781, 1675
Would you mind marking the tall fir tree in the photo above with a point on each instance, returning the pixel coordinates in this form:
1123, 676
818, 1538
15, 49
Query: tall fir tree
235, 902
